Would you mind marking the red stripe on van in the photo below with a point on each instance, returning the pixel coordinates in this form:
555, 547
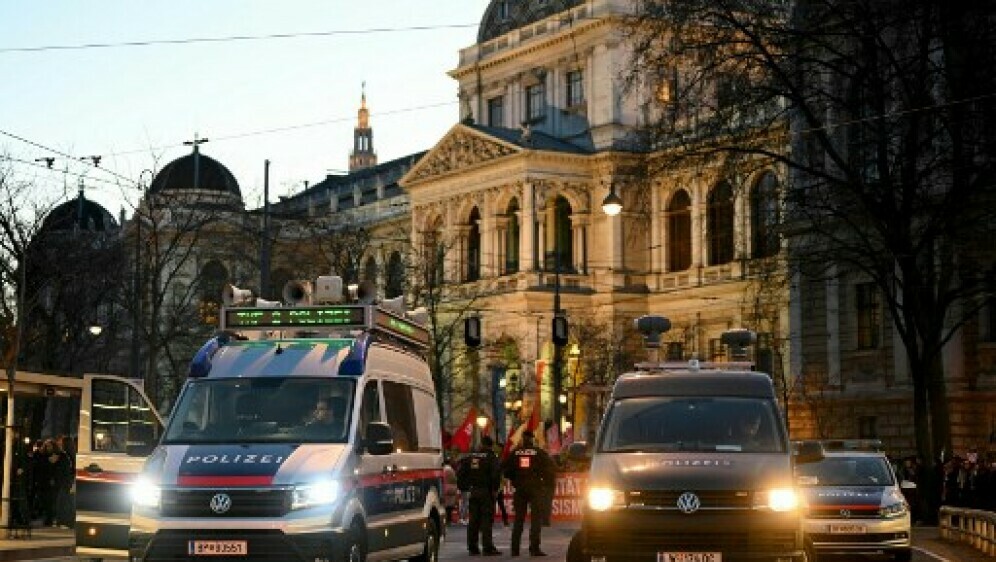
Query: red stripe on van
225, 480
104, 476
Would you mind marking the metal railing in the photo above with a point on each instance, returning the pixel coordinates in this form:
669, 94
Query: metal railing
971, 526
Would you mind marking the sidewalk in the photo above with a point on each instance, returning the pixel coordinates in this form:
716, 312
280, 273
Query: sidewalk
45, 542
929, 539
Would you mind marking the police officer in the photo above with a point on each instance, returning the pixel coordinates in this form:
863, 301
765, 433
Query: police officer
530, 469
480, 477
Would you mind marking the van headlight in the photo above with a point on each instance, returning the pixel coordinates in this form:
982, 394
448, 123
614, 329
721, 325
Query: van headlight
144, 493
601, 499
893, 504
777, 499
325, 492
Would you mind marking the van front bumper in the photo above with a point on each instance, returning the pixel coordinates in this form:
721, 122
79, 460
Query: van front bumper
644, 535
853, 536
262, 545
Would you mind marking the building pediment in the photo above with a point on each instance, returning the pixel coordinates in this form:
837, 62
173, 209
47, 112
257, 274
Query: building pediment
461, 148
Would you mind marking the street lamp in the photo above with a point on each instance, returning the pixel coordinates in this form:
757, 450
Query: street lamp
482, 422
95, 330
612, 204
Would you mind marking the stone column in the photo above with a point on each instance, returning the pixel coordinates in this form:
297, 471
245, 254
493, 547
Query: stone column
698, 230
656, 247
527, 233
501, 244
579, 225
833, 325
488, 245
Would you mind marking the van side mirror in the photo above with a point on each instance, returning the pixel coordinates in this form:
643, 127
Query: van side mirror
141, 440
907, 485
809, 451
578, 451
379, 440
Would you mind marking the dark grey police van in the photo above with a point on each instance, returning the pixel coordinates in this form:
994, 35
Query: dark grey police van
692, 464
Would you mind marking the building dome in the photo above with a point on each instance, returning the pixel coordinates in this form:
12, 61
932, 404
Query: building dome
503, 16
86, 214
179, 175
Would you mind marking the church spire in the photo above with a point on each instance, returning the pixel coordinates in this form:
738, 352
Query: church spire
363, 155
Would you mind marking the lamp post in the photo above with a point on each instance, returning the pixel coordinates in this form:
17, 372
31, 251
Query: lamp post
558, 326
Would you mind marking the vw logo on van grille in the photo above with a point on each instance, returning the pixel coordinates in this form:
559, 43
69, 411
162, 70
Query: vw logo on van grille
221, 503
845, 513
689, 502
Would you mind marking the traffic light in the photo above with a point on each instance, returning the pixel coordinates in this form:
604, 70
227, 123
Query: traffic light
559, 329
472, 331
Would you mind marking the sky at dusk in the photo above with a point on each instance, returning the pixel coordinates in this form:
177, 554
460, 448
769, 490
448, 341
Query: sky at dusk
290, 100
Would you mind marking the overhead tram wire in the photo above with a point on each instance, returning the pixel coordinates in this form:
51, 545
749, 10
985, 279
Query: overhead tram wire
233, 38
92, 160
234, 136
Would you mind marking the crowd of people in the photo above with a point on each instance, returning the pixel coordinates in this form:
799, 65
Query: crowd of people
42, 485
964, 481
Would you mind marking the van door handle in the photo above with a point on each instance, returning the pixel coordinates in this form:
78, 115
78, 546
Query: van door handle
94, 467
390, 470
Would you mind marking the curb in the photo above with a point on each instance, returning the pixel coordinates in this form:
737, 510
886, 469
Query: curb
37, 553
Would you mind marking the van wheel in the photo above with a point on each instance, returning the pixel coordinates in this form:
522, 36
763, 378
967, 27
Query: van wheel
904, 555
430, 552
354, 549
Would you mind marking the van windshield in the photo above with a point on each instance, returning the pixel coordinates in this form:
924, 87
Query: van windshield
845, 471
263, 410
718, 424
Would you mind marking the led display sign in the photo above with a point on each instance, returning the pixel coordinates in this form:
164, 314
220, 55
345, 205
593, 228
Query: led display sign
302, 317
336, 317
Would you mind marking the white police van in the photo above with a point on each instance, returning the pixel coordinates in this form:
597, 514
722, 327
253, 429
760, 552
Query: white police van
318, 439
855, 503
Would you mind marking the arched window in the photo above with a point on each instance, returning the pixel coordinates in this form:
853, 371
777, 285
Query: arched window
764, 217
474, 246
432, 266
212, 281
394, 284
214, 276
512, 237
720, 224
560, 245
370, 270
679, 232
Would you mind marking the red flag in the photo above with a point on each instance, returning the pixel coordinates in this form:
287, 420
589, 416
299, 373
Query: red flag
568, 436
553, 440
464, 435
515, 435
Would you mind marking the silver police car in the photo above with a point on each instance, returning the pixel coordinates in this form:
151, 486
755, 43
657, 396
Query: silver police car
854, 503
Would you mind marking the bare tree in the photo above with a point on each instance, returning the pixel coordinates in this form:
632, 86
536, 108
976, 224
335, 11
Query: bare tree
881, 112
180, 234
448, 301
21, 216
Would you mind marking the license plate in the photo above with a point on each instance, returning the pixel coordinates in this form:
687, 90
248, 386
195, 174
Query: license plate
847, 529
218, 548
689, 557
